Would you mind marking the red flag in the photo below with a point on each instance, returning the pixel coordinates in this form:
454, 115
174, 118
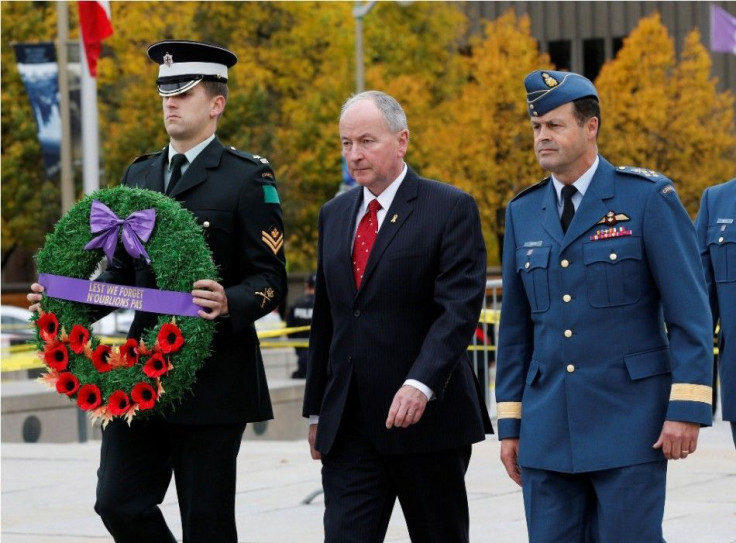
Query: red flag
95, 23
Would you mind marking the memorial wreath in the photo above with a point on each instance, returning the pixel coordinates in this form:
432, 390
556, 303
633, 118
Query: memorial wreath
138, 378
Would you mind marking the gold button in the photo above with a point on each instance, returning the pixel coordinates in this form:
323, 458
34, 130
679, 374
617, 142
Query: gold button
568, 333
565, 263
527, 265
613, 256
720, 240
566, 298
206, 224
570, 368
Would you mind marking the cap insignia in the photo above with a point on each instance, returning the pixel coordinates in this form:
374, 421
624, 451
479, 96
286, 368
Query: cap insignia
168, 59
549, 80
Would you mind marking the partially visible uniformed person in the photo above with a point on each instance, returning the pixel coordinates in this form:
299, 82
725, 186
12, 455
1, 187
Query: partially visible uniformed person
299, 315
716, 228
604, 363
233, 196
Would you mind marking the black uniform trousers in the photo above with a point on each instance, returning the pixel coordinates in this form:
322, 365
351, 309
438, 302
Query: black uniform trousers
136, 466
361, 486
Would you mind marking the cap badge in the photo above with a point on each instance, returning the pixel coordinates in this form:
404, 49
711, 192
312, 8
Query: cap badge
168, 59
549, 80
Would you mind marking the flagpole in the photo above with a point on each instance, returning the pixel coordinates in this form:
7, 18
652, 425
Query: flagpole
90, 125
66, 175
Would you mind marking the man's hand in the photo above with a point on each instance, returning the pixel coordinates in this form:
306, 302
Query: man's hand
211, 295
312, 437
407, 408
678, 439
509, 458
35, 297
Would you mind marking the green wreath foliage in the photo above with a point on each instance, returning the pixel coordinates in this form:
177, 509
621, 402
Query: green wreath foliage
179, 256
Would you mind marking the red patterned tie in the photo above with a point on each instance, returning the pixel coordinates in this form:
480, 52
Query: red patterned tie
364, 238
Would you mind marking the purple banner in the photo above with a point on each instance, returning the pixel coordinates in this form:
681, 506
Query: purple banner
722, 30
166, 302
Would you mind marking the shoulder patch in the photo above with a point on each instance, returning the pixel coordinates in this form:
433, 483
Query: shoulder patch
641, 172
145, 157
534, 187
257, 159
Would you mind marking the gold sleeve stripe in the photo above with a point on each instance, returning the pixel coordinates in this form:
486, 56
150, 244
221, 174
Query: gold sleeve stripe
691, 393
509, 410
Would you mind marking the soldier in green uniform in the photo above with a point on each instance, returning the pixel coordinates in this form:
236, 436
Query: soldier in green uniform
233, 196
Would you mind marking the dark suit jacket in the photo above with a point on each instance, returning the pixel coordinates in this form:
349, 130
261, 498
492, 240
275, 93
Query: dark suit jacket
413, 318
230, 193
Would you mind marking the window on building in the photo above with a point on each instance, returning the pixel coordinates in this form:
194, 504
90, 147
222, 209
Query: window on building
594, 55
617, 43
560, 53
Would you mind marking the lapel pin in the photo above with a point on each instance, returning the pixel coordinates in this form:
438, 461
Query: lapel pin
393, 219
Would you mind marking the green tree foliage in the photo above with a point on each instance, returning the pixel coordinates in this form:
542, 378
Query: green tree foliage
30, 202
665, 114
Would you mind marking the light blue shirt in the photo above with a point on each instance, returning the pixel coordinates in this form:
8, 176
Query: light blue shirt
582, 184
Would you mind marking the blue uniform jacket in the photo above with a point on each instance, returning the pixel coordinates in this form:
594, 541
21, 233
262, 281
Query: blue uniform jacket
605, 331
716, 228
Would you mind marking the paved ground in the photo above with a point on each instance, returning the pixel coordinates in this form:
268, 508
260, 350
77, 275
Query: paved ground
48, 490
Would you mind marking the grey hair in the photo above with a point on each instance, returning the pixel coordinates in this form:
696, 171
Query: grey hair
391, 110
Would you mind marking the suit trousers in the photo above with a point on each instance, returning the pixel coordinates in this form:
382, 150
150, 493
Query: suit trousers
136, 465
623, 505
361, 486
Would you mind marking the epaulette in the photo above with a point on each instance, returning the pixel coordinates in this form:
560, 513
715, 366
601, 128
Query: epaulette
257, 159
146, 157
642, 172
534, 187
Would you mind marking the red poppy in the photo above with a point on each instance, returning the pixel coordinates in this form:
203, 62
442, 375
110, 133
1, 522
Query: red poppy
100, 358
144, 395
48, 326
129, 352
78, 338
156, 366
67, 383
169, 338
56, 356
89, 397
118, 403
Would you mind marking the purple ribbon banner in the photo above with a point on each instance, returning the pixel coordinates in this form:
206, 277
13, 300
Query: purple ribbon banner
166, 302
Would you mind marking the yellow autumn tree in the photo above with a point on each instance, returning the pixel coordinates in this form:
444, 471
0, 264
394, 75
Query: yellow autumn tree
485, 144
667, 115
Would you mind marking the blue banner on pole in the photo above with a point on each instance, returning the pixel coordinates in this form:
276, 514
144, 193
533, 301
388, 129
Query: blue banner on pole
40, 74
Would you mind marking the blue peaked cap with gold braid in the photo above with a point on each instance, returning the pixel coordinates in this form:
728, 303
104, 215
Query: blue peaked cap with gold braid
548, 89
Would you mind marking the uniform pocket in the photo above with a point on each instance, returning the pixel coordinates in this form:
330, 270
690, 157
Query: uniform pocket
648, 364
532, 264
722, 249
612, 271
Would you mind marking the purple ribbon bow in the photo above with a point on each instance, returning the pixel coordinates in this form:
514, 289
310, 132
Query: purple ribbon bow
136, 228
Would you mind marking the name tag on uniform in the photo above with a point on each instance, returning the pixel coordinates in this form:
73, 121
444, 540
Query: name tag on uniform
724, 221
532, 244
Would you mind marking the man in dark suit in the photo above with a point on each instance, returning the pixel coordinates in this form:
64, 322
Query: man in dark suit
716, 228
604, 365
394, 405
233, 196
